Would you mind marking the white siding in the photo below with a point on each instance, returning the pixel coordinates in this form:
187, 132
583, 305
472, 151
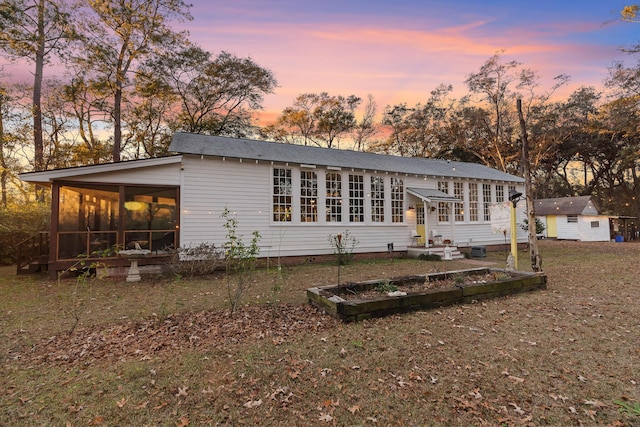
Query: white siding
582, 229
168, 174
245, 188
587, 233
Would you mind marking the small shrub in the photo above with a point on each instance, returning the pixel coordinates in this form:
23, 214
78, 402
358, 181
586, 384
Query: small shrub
386, 286
240, 260
343, 245
539, 225
430, 257
197, 260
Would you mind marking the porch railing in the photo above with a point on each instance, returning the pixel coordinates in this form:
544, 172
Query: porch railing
35, 249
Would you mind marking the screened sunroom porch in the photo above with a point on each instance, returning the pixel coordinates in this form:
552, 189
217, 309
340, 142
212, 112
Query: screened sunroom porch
92, 220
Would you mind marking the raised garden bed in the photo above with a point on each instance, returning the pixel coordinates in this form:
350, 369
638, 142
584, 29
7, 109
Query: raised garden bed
374, 298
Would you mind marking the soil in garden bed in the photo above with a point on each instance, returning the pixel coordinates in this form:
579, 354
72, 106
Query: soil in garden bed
383, 288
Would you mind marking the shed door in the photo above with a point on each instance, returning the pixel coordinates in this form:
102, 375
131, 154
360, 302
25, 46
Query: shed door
552, 227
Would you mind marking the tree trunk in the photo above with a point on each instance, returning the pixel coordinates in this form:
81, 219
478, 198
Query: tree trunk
536, 260
117, 122
38, 144
3, 166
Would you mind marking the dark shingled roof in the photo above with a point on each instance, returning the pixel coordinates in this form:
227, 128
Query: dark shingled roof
218, 146
566, 206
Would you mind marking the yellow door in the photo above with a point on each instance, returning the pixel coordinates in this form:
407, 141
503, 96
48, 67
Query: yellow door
420, 224
552, 227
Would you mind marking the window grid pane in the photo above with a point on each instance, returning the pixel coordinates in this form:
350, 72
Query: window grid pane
458, 192
420, 214
334, 197
281, 195
356, 198
443, 207
308, 196
473, 201
500, 193
486, 201
397, 200
377, 199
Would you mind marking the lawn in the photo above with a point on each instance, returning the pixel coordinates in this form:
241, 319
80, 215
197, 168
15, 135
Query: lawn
165, 351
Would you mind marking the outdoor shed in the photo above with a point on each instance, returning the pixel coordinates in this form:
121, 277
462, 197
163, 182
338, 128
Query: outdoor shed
573, 218
295, 196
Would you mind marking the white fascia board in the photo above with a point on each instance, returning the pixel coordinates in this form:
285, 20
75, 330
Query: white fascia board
50, 176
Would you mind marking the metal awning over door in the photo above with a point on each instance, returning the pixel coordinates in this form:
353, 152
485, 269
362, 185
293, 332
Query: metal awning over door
431, 195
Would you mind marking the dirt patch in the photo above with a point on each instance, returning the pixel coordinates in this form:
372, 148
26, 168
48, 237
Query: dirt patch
390, 287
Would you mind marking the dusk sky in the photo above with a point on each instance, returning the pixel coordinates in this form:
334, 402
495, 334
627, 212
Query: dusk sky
399, 50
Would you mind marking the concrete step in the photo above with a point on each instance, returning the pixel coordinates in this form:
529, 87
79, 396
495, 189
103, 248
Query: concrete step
416, 251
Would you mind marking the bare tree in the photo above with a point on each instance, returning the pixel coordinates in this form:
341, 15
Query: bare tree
366, 128
118, 35
35, 30
318, 119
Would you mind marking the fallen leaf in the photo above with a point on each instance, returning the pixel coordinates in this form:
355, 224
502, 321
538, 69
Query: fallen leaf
517, 409
121, 402
353, 409
182, 391
142, 405
590, 413
97, 421
253, 403
325, 417
595, 403
161, 405
208, 390
183, 421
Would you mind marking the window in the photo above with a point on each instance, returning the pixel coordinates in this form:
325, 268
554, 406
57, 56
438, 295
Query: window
420, 215
356, 198
377, 199
595, 224
486, 201
572, 218
334, 197
458, 192
149, 218
473, 201
282, 195
500, 193
87, 220
308, 196
443, 207
397, 200
93, 219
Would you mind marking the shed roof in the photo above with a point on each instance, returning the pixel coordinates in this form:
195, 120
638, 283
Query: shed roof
565, 205
190, 143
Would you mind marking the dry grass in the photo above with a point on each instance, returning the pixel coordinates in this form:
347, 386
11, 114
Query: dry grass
556, 357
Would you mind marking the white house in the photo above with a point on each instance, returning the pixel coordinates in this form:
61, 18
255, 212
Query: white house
294, 196
573, 218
